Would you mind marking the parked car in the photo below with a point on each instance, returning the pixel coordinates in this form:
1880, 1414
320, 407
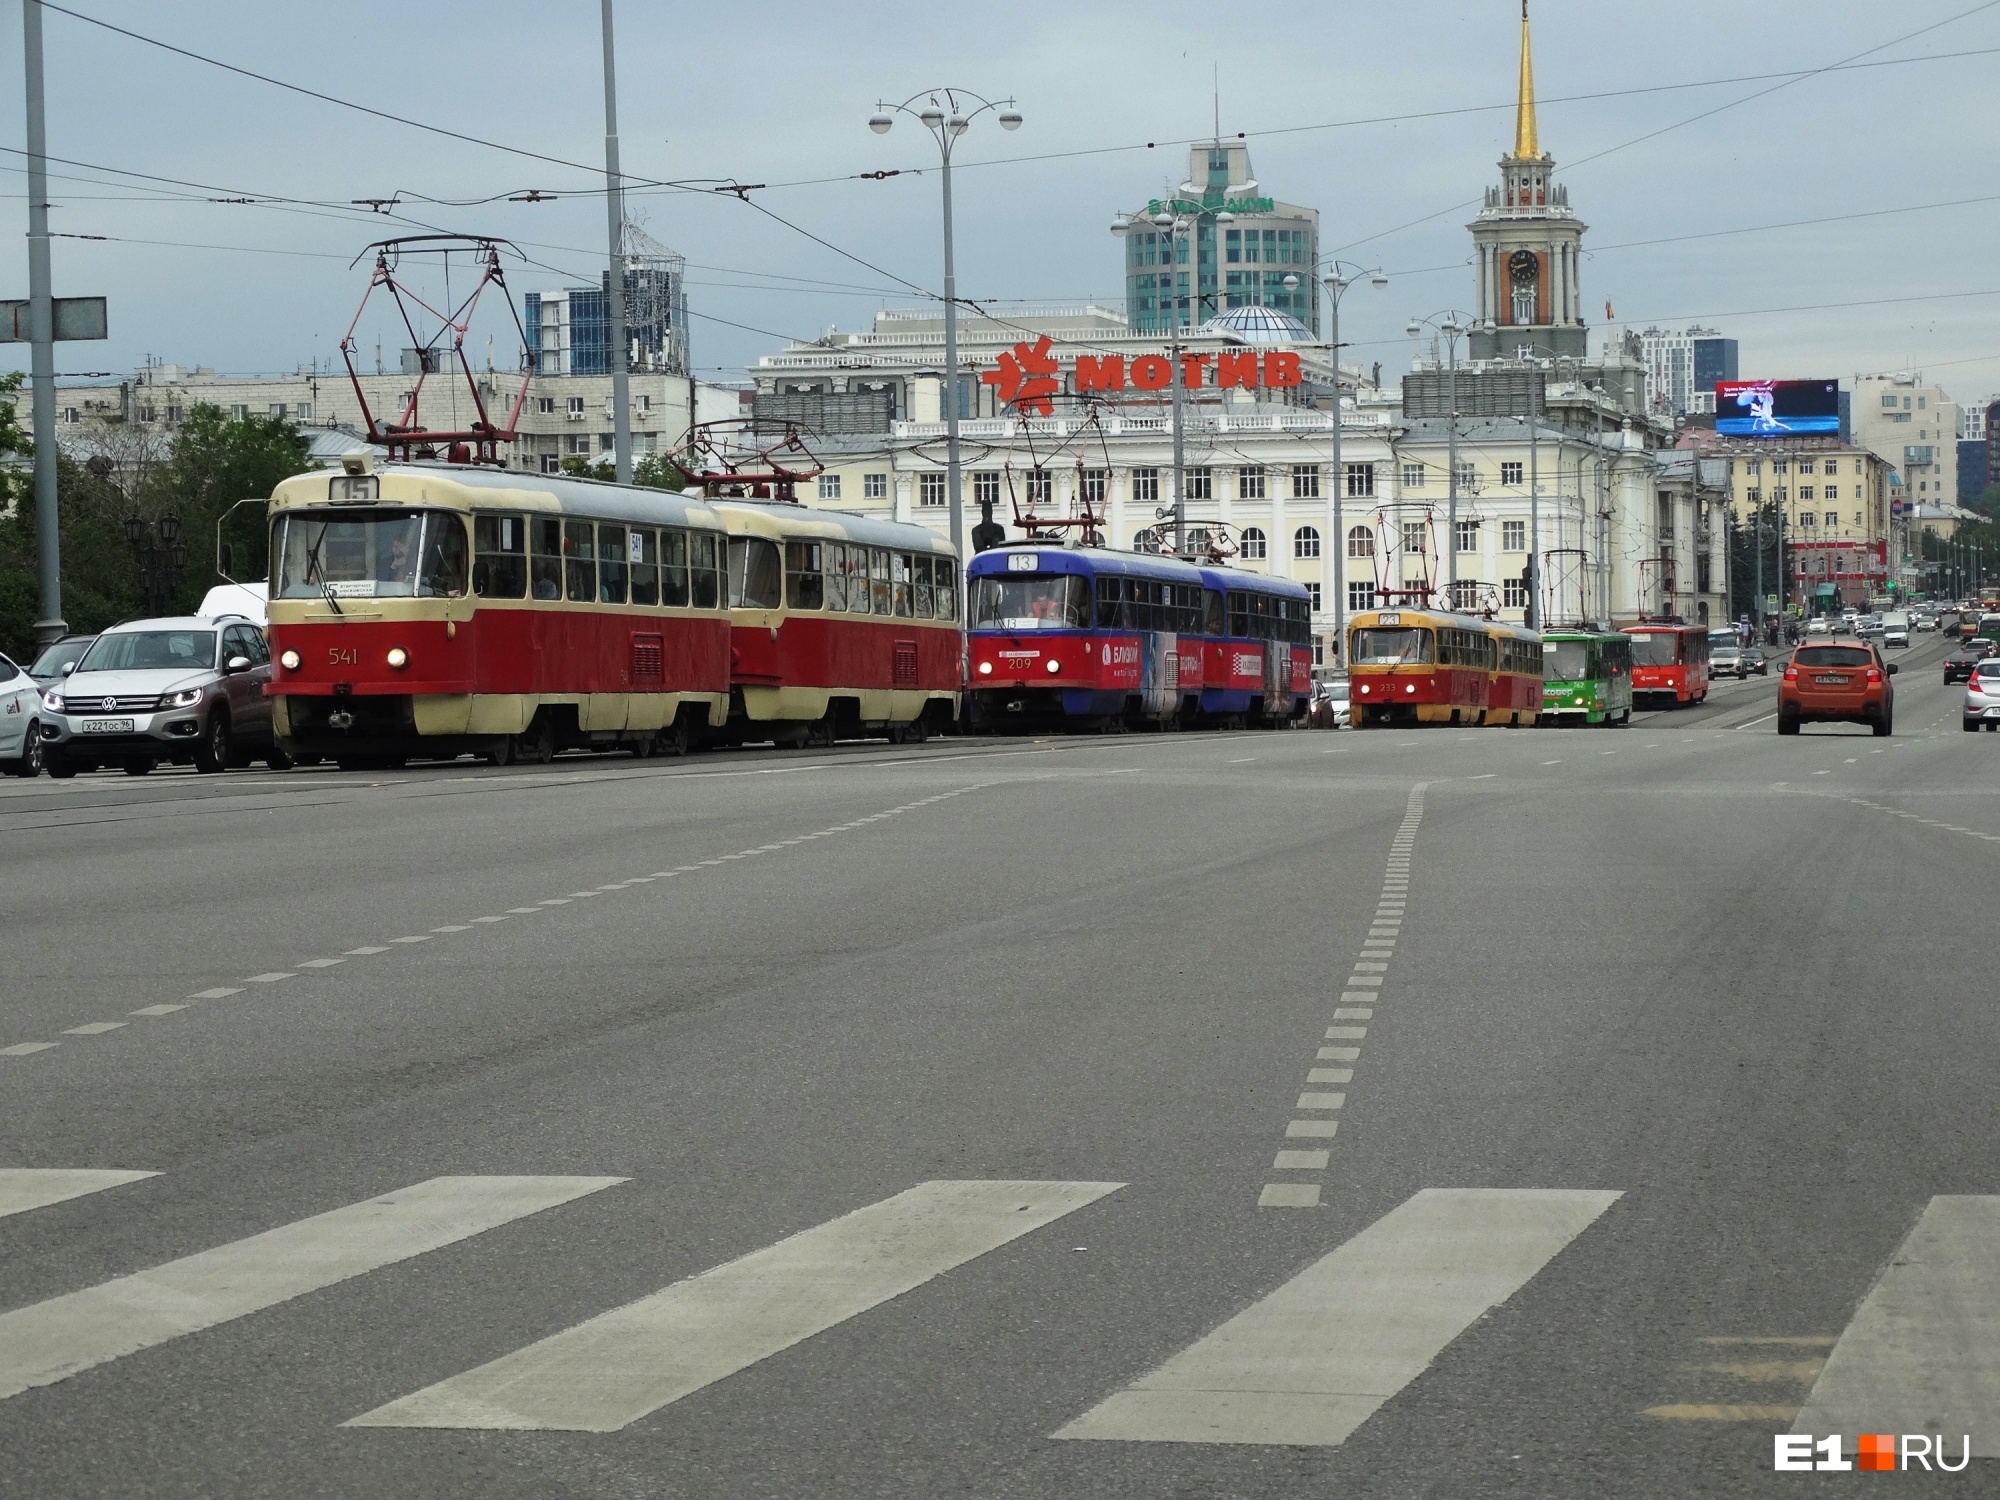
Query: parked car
1982, 696
58, 658
20, 721
1841, 682
1726, 661
1330, 705
182, 690
1754, 660
1959, 664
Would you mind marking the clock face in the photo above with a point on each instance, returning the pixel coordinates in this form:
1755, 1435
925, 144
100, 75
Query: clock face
1523, 266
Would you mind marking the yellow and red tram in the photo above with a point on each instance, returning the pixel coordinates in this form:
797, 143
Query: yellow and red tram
1424, 666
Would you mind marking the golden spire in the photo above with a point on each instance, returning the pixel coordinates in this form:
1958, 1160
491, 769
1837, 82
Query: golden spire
1525, 144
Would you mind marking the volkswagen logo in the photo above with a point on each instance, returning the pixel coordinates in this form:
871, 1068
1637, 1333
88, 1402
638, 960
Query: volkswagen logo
108, 704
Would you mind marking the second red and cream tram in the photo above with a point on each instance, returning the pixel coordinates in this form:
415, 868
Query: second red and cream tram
1423, 666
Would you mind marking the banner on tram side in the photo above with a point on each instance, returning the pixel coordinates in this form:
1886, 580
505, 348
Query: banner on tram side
1027, 376
1776, 408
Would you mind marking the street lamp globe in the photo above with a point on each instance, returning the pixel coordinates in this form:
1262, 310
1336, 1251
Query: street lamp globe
1164, 219
135, 530
170, 528
880, 124
1414, 329
1379, 282
1225, 217
957, 124
1122, 224
1010, 119
1291, 281
932, 118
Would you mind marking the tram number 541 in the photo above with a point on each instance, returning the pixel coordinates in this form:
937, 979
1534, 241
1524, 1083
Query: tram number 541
343, 656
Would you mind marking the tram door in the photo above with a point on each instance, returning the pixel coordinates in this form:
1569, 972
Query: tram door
1160, 686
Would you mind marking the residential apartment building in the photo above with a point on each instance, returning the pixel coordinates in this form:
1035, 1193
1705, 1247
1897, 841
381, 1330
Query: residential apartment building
1843, 540
1682, 368
1914, 429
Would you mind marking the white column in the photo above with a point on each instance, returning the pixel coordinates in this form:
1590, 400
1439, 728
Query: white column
1117, 487
903, 483
1278, 557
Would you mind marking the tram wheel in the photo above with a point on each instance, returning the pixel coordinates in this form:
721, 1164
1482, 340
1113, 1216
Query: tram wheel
500, 752
641, 748
538, 745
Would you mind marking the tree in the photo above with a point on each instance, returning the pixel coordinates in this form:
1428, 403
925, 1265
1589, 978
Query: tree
655, 471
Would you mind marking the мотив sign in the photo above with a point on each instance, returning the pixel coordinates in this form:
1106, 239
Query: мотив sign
1027, 377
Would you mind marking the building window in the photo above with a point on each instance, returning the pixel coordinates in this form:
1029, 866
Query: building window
71, 414
1513, 536
1463, 594
577, 442
1468, 477
1921, 401
1514, 593
1754, 496
551, 464
930, 489
1305, 542
1093, 486
1253, 543
1831, 492
1805, 466
1754, 467
1778, 494
1466, 535
576, 402
1777, 466
546, 405
1889, 400
238, 412
1416, 537
1360, 542
874, 486
1413, 476
1832, 466
1313, 602
1360, 481
1805, 492
277, 408
1806, 518
1510, 473
1196, 485
986, 487
1857, 518
1146, 485
1360, 595
174, 414
1249, 480
1305, 481
829, 486
1041, 487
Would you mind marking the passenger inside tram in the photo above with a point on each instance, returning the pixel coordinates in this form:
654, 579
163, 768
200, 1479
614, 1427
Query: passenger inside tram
1388, 648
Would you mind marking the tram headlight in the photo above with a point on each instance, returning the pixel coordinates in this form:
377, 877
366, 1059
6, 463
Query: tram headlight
289, 660
986, 669
1411, 690
1054, 666
398, 658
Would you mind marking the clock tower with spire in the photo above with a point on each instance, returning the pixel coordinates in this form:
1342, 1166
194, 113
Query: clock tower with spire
1527, 249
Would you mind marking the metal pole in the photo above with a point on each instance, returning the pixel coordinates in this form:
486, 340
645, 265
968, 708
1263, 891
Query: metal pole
1194, 286
953, 479
1534, 616
51, 626
1337, 520
1757, 603
614, 213
1451, 444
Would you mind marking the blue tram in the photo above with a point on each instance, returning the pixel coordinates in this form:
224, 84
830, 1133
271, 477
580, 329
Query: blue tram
1083, 637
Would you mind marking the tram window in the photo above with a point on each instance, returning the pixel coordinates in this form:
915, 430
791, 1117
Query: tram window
580, 560
944, 584
611, 565
1568, 661
805, 587
674, 568
545, 557
860, 592
878, 571
755, 579
1107, 603
1032, 601
705, 569
920, 568
899, 575
833, 568
1211, 610
1382, 648
500, 556
643, 551
1654, 648
441, 560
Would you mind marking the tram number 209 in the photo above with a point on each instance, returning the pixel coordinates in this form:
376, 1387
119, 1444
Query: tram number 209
343, 656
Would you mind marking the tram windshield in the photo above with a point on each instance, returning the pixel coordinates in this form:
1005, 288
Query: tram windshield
1655, 649
1565, 661
1386, 648
1036, 601
375, 554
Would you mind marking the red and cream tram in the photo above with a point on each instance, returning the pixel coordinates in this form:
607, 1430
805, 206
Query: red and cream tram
427, 610
1423, 666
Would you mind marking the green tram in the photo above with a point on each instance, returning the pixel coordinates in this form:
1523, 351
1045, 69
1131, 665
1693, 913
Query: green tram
1586, 677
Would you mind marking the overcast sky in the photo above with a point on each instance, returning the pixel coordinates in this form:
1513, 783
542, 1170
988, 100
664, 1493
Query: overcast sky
780, 91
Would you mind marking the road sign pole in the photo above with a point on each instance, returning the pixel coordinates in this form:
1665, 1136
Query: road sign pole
41, 333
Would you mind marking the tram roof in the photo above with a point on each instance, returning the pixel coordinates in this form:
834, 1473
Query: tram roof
1445, 617
837, 525
638, 505
1059, 559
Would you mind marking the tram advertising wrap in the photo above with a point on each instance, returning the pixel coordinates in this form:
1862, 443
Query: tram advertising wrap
1776, 408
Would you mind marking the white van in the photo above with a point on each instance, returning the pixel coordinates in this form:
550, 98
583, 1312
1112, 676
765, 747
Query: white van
247, 599
1895, 627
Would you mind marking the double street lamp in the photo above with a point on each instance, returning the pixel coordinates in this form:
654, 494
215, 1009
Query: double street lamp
161, 555
1339, 277
947, 114
1447, 323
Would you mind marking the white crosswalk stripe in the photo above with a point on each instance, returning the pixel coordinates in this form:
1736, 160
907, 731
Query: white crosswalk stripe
23, 1188
1922, 1352
1317, 1357
616, 1368
53, 1340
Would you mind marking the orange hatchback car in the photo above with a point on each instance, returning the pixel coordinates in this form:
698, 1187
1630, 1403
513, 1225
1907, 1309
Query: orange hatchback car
1843, 682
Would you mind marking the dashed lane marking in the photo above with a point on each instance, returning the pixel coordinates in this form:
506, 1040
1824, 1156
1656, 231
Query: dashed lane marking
23, 1189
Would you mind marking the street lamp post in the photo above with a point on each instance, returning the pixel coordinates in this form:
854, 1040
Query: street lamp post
161, 555
1336, 520
1451, 328
946, 124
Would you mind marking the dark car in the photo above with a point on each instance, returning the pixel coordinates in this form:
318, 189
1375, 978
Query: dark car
1754, 660
1959, 664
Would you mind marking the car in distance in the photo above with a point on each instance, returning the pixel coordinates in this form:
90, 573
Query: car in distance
184, 690
57, 658
1840, 682
20, 721
1819, 625
1959, 663
1754, 660
1896, 627
1331, 701
1726, 661
1982, 696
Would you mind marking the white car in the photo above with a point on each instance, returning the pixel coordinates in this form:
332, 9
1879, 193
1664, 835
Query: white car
20, 721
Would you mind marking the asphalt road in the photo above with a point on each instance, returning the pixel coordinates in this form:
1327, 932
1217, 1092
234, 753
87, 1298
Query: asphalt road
989, 1083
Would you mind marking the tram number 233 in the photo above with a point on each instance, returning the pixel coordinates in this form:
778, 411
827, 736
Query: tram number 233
343, 656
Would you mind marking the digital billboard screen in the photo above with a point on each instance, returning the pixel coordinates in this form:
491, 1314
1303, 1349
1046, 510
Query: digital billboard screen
1776, 408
